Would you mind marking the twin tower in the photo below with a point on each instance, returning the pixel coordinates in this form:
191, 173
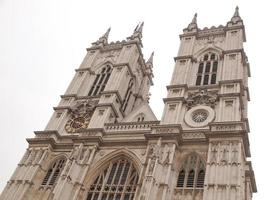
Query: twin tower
103, 141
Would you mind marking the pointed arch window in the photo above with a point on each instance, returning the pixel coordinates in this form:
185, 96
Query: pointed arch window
117, 182
100, 81
181, 178
54, 172
127, 95
190, 179
200, 179
192, 173
207, 69
140, 117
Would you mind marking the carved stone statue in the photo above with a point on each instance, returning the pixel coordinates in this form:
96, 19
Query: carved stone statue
234, 157
213, 158
151, 165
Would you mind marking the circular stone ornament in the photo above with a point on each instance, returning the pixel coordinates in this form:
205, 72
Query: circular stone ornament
199, 116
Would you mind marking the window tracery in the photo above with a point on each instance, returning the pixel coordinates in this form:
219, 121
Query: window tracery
100, 81
53, 172
192, 173
117, 182
207, 69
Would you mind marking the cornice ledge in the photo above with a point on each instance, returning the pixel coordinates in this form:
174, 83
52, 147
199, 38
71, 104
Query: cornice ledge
85, 69
233, 94
227, 126
233, 51
121, 142
203, 87
93, 48
108, 105
133, 123
89, 139
177, 86
51, 133
68, 95
41, 141
168, 131
172, 99
231, 81
113, 92
183, 57
188, 34
61, 108
127, 65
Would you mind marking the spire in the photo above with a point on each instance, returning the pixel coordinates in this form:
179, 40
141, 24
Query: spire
236, 12
137, 32
194, 20
107, 33
150, 60
193, 24
236, 16
103, 39
140, 29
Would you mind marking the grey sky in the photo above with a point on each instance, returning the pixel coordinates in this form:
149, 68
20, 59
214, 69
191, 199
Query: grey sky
42, 42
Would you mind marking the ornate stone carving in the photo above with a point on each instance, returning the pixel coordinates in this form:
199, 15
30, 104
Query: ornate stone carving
154, 151
80, 154
202, 97
224, 155
80, 115
234, 153
151, 165
213, 154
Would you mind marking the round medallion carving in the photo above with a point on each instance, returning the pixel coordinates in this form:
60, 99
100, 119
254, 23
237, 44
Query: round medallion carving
199, 116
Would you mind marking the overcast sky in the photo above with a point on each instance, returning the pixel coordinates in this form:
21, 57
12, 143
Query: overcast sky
42, 42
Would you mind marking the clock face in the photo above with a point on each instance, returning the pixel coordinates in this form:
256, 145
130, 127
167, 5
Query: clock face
76, 123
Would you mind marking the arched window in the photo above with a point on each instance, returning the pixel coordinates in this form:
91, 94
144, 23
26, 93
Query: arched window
127, 95
181, 179
53, 172
140, 117
207, 69
190, 179
100, 81
192, 173
200, 179
117, 182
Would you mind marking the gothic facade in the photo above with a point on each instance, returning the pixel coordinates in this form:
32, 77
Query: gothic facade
103, 141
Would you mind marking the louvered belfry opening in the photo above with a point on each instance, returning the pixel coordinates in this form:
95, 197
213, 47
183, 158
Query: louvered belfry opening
100, 81
53, 172
117, 182
207, 69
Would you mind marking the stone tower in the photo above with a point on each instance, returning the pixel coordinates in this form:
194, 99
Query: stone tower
103, 141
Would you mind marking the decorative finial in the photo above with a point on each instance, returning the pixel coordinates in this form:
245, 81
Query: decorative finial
150, 60
236, 12
137, 32
103, 39
140, 29
194, 20
236, 16
136, 28
193, 24
107, 33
